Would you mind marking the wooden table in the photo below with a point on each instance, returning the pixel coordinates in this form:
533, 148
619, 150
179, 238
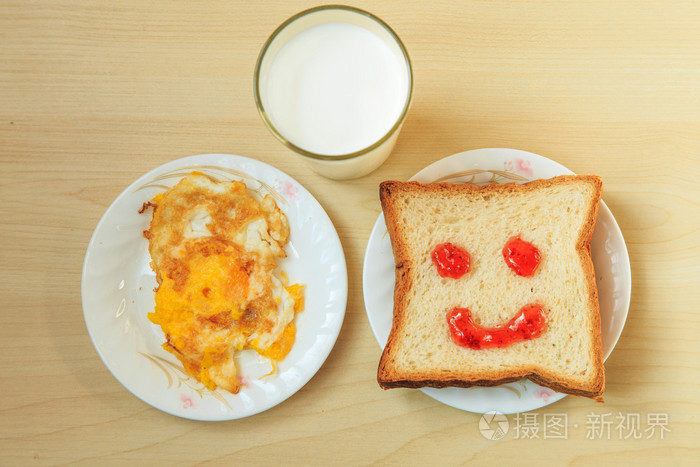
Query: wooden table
94, 94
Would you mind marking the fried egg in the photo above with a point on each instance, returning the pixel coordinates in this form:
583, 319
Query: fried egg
214, 249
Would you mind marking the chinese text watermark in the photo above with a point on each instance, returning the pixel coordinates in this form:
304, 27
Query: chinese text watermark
495, 425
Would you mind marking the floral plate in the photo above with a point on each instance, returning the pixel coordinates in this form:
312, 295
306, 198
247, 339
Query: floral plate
118, 284
495, 165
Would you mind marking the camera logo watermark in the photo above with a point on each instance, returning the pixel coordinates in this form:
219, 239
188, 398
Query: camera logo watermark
493, 425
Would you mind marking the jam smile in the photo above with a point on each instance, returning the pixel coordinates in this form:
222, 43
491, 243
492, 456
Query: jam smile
523, 258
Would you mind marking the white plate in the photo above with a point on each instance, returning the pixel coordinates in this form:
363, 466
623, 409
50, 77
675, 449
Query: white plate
608, 250
118, 284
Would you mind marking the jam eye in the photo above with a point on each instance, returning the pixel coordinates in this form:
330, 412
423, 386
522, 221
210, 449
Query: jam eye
521, 256
451, 260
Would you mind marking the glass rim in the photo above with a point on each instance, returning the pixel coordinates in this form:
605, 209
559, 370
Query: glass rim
268, 122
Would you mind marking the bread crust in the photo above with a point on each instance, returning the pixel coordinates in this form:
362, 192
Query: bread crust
388, 377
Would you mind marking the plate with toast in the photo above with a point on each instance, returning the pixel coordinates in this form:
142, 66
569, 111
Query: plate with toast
496, 279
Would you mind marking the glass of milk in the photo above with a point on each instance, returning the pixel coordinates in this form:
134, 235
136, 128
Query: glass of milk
334, 84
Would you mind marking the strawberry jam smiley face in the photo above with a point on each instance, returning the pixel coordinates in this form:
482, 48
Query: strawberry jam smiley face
523, 258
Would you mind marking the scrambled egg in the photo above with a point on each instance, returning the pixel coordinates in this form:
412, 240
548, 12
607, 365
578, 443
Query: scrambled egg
214, 250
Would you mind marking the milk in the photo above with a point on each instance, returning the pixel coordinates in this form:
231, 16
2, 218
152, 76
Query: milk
336, 89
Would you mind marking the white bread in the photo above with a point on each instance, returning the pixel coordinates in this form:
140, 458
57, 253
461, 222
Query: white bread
558, 216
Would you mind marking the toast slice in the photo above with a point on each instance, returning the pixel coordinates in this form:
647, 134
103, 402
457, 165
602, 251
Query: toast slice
556, 215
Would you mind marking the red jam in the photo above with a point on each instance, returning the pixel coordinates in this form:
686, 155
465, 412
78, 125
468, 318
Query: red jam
521, 256
450, 260
529, 323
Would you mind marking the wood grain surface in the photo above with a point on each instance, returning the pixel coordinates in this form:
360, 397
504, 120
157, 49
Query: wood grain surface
93, 94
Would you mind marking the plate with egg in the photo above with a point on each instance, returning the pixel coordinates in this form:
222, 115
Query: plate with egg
214, 287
